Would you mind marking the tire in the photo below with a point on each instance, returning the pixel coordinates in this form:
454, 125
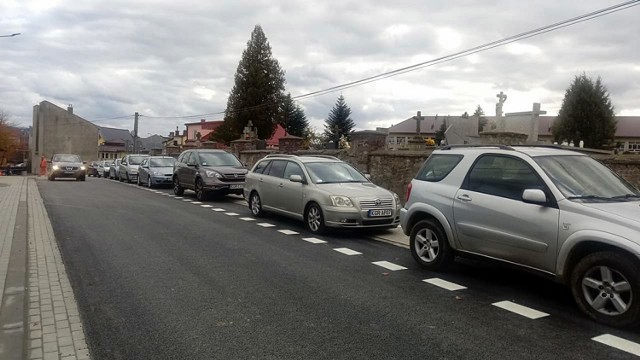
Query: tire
177, 189
120, 178
429, 245
149, 184
51, 178
313, 219
201, 193
138, 181
606, 287
128, 179
255, 204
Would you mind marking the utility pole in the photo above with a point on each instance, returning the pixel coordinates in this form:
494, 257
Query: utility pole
135, 134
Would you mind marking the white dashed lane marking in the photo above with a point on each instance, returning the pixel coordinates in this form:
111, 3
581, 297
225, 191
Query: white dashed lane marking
619, 343
288, 232
389, 266
444, 284
520, 310
171, 195
347, 251
265, 225
178, 197
218, 209
314, 240
232, 214
187, 200
196, 203
206, 206
247, 219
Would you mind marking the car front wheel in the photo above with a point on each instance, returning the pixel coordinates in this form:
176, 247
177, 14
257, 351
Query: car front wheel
429, 245
201, 193
255, 205
177, 189
313, 219
606, 286
149, 184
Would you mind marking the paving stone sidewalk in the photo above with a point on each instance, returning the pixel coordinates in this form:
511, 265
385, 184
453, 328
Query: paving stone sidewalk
53, 327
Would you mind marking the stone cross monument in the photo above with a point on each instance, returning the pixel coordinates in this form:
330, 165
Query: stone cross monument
502, 97
417, 142
418, 118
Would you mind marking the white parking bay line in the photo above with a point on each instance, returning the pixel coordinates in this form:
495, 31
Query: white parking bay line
314, 240
187, 200
520, 310
232, 214
196, 203
347, 251
389, 266
178, 197
218, 209
619, 343
288, 232
206, 206
171, 195
444, 284
265, 225
247, 219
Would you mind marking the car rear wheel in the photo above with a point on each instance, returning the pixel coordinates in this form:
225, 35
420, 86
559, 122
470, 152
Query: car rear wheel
177, 189
313, 219
606, 286
201, 193
255, 205
430, 246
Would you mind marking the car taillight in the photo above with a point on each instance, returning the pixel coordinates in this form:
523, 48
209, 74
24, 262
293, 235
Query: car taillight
408, 193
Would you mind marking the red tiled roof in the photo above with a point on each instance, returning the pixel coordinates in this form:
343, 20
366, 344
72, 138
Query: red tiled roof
275, 139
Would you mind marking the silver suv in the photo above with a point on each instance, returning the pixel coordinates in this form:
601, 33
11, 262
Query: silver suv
321, 190
555, 211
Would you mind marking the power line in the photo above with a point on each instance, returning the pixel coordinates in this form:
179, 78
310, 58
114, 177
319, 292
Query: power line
432, 62
112, 118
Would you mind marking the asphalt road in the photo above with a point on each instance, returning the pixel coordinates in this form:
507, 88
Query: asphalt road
162, 278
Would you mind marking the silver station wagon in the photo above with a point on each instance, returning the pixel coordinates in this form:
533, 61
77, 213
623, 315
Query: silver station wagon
321, 190
555, 211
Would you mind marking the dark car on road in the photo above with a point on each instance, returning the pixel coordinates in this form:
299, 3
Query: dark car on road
67, 166
92, 169
156, 170
207, 171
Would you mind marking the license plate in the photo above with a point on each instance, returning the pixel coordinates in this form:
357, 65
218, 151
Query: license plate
236, 186
380, 212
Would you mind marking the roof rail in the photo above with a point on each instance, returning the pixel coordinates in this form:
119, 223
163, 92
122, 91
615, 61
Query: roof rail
324, 156
500, 146
551, 146
280, 155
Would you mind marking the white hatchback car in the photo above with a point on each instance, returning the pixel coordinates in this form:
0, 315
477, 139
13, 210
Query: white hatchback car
555, 211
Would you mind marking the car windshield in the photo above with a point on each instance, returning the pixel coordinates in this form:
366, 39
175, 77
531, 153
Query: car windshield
333, 172
218, 159
581, 177
162, 162
136, 160
66, 158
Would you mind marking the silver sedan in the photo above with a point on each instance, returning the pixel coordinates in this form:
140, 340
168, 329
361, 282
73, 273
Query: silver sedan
156, 170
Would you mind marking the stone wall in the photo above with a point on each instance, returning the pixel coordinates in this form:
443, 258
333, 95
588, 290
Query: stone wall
627, 166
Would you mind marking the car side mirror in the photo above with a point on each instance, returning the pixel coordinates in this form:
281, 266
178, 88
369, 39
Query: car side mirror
296, 178
534, 196
84, 163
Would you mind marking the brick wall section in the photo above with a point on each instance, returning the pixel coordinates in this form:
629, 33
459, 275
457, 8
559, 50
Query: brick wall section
290, 144
627, 166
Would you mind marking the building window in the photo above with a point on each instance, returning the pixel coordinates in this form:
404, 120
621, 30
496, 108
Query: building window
634, 146
391, 140
402, 141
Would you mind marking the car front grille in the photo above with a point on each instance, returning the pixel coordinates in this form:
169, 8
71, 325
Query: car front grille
70, 168
234, 177
379, 203
378, 222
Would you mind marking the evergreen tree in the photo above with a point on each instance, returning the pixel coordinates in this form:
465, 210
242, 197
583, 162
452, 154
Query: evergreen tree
293, 118
586, 114
482, 121
257, 93
339, 122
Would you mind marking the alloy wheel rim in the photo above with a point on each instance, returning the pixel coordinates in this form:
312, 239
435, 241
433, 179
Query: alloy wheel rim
606, 290
314, 218
426, 245
149, 182
255, 204
199, 190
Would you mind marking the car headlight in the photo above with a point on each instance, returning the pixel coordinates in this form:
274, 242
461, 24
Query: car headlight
83, 168
157, 173
397, 199
55, 167
341, 201
210, 173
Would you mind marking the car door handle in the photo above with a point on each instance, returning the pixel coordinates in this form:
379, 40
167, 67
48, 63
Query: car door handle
464, 197
281, 185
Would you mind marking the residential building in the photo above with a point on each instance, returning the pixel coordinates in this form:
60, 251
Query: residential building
114, 143
56, 130
202, 127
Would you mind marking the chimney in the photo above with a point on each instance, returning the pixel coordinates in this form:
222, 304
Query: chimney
70, 109
171, 134
202, 121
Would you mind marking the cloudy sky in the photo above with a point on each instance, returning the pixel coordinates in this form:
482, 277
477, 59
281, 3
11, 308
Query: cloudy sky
167, 58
